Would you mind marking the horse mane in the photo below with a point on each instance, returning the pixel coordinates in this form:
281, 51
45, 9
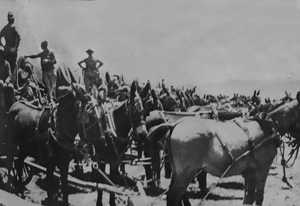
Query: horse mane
267, 126
122, 122
288, 105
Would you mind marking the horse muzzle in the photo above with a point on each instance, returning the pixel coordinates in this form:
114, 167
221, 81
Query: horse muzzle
141, 131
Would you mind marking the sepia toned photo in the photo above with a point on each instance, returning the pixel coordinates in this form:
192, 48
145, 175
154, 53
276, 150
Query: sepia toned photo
149, 102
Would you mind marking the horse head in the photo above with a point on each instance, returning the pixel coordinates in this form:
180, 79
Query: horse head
286, 115
136, 111
169, 100
255, 99
150, 99
71, 112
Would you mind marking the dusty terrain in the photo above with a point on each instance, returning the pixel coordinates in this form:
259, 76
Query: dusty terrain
228, 192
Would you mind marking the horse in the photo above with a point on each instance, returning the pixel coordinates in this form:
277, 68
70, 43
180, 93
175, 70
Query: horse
114, 128
70, 117
223, 149
153, 146
29, 131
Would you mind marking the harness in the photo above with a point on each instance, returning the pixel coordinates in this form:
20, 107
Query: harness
250, 151
275, 135
250, 142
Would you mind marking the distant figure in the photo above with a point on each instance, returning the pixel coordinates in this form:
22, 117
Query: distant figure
49, 73
12, 41
5, 82
5, 71
91, 74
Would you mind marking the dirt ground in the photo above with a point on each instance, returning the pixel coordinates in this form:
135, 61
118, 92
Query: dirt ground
228, 192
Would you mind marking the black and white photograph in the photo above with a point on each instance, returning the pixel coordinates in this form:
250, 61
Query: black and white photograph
149, 102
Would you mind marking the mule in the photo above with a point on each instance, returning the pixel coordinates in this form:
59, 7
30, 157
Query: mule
153, 146
115, 127
28, 130
225, 149
70, 116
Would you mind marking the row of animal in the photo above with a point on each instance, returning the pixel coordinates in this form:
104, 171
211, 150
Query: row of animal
149, 113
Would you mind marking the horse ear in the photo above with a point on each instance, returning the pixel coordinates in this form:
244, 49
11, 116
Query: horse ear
258, 93
165, 89
178, 94
122, 80
194, 89
298, 97
146, 89
154, 96
107, 77
73, 80
133, 89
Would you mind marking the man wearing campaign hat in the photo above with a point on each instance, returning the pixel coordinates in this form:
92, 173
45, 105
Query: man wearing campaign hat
12, 41
90, 67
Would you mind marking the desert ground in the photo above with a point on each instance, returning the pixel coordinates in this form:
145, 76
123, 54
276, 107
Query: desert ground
229, 191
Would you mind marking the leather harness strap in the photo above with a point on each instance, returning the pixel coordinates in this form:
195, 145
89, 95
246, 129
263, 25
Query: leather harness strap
250, 142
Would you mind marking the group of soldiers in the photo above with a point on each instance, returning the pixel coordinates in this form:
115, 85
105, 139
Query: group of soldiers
9, 54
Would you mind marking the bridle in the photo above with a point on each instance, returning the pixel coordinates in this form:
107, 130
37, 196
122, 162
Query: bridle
135, 111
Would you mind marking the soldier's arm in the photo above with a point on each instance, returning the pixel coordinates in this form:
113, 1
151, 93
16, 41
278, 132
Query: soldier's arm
52, 58
80, 64
18, 38
33, 56
100, 64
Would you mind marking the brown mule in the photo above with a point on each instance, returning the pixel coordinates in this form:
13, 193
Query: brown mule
245, 147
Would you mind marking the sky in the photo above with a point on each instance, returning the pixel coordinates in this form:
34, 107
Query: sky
191, 42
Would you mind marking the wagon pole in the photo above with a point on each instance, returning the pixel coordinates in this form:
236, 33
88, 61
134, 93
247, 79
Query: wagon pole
90, 185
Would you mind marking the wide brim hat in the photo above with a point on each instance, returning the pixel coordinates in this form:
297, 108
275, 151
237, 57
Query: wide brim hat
89, 51
10, 16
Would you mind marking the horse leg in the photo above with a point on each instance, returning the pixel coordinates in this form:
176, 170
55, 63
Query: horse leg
99, 198
10, 151
167, 166
201, 178
260, 185
64, 166
249, 191
179, 183
153, 170
148, 168
114, 173
100, 192
185, 200
50, 180
19, 173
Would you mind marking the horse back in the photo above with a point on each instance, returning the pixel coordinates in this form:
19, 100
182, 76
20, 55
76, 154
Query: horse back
23, 121
214, 143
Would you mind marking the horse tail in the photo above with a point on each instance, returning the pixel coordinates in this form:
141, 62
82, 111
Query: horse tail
157, 133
